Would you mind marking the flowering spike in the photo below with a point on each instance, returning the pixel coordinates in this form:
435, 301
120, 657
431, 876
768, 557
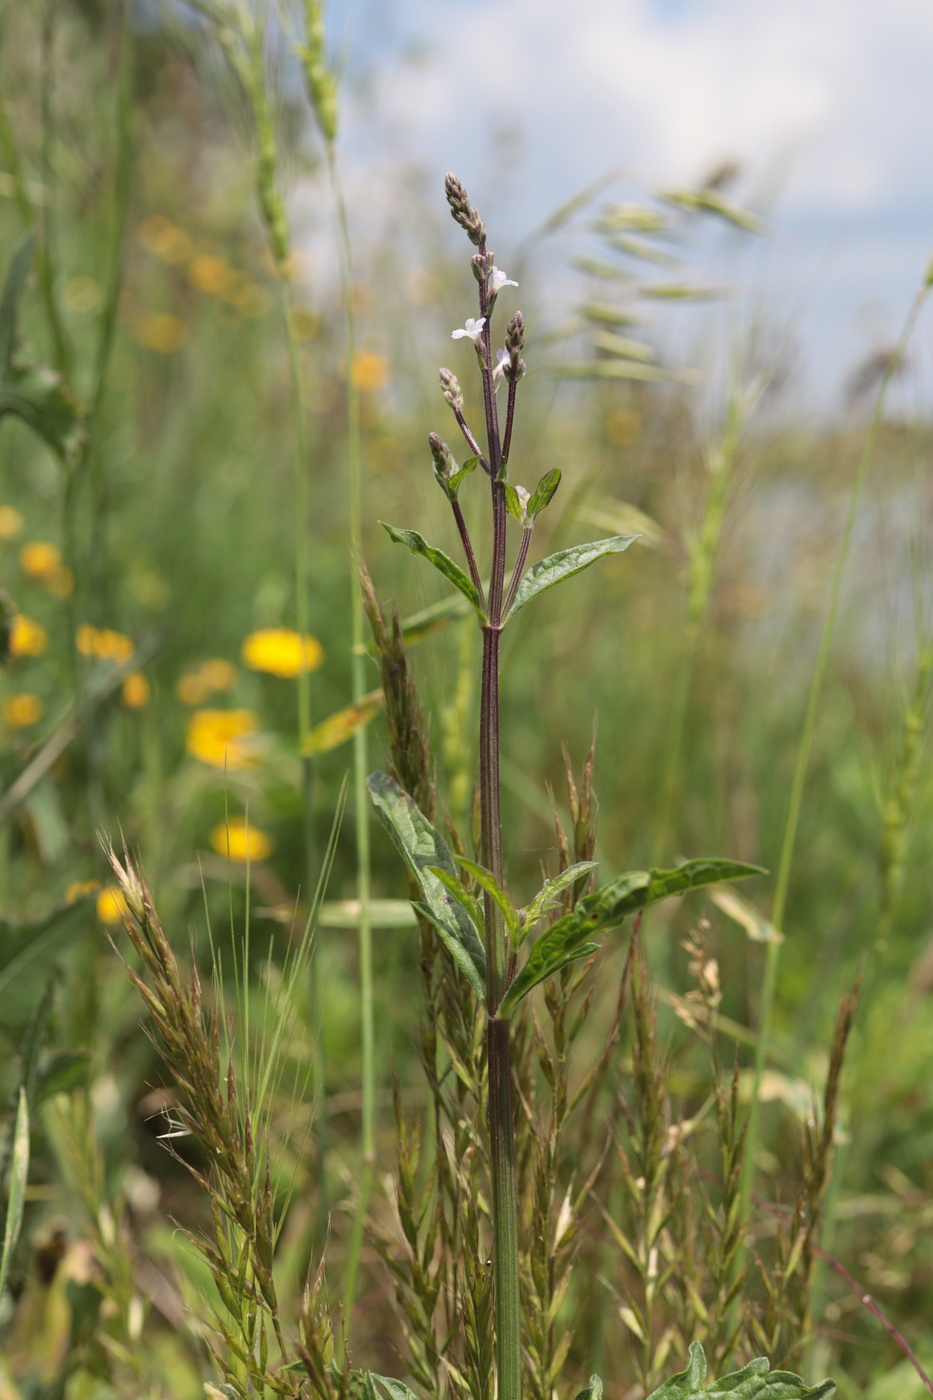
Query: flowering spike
463, 212
450, 388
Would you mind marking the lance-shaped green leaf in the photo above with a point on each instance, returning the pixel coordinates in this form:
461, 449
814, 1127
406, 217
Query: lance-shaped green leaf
754, 1382
606, 908
543, 492
29, 390
16, 1196
441, 561
567, 562
547, 895
457, 479
424, 850
488, 881
396, 1390
461, 894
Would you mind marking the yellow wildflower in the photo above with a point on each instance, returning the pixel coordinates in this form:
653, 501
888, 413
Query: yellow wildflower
78, 888
218, 673
27, 638
61, 584
369, 371
241, 841
111, 905
103, 643
192, 688
11, 522
39, 559
136, 691
278, 650
162, 332
20, 711
210, 274
223, 737
160, 236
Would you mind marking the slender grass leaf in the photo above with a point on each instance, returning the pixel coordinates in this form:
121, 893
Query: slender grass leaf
754, 1382
423, 849
567, 562
343, 724
708, 201
441, 561
605, 909
63, 1073
26, 952
627, 369
683, 291
383, 913
29, 390
488, 881
19, 1173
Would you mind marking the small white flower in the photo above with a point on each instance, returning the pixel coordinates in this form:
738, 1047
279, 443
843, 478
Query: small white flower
498, 370
472, 329
498, 280
524, 496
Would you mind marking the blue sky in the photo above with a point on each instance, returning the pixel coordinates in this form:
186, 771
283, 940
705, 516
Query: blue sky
826, 104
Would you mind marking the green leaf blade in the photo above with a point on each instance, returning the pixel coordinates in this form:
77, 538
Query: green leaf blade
441, 561
564, 564
16, 1197
424, 850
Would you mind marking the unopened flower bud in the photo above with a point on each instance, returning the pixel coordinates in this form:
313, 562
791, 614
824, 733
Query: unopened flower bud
463, 211
441, 454
515, 336
450, 388
482, 265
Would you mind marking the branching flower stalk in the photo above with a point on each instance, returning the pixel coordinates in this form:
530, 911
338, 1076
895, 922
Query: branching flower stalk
485, 940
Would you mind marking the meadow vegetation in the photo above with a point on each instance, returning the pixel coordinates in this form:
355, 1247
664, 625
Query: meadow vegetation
246, 1138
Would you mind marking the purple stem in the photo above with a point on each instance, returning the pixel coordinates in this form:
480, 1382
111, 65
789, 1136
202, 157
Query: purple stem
468, 551
518, 570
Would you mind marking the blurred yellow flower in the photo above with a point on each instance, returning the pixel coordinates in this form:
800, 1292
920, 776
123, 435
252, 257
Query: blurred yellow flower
83, 294
78, 888
61, 584
136, 691
161, 332
252, 300
11, 522
369, 371
111, 906
27, 638
39, 559
20, 711
160, 236
278, 650
241, 841
103, 643
210, 274
192, 688
215, 673
223, 737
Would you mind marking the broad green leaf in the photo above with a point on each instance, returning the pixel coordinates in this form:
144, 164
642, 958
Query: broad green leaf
423, 848
442, 562
26, 952
29, 390
605, 909
488, 881
547, 895
544, 492
459, 477
594, 1391
754, 1382
567, 562
16, 1196
396, 1390
343, 724
461, 894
